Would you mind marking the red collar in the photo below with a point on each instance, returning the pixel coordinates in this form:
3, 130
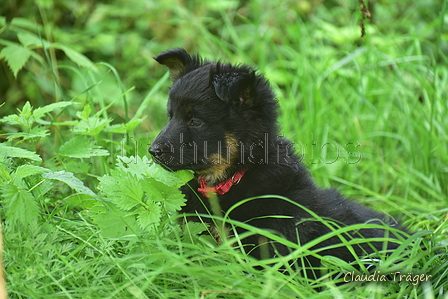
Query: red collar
221, 188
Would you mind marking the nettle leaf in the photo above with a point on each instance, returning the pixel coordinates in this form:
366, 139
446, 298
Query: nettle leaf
157, 183
26, 110
16, 56
4, 173
131, 192
124, 189
69, 179
35, 132
145, 191
92, 126
149, 215
24, 117
173, 179
20, 205
150, 187
12, 119
144, 167
134, 165
81, 147
16, 152
108, 186
113, 222
39, 112
171, 198
26, 170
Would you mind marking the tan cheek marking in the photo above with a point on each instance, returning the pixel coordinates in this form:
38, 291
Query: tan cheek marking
218, 170
232, 149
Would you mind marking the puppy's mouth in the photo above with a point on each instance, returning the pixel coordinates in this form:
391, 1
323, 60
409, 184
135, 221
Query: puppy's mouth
170, 162
172, 166
214, 169
213, 163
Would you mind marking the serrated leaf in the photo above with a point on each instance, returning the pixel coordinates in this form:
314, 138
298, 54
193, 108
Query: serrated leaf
169, 178
26, 110
149, 215
29, 39
26, 170
171, 198
81, 147
69, 179
19, 204
12, 119
134, 165
17, 152
174, 201
150, 188
75, 56
39, 112
4, 173
113, 222
16, 56
123, 189
93, 126
35, 132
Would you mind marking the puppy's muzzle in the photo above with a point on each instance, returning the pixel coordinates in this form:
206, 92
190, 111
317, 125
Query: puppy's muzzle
162, 152
156, 152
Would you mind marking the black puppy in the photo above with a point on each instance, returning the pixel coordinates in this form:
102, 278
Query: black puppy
223, 126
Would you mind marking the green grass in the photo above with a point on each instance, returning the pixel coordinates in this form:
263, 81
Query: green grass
382, 99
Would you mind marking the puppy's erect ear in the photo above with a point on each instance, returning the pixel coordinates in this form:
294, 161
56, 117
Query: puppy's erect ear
235, 88
177, 61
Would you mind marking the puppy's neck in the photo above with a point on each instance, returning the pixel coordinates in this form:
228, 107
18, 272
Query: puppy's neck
216, 174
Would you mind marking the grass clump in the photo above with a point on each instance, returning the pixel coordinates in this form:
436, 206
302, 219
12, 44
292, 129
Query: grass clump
85, 214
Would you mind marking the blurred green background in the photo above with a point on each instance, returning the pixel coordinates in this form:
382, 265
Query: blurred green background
127, 34
368, 113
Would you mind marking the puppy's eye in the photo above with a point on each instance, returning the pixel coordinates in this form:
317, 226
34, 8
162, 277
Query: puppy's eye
194, 122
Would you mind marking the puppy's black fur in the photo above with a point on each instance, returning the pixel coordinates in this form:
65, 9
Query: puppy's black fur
223, 119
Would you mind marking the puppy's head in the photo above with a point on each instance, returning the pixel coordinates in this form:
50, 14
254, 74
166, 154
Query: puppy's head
217, 113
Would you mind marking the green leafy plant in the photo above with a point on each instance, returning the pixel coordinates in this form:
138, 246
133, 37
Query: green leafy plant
137, 196
28, 33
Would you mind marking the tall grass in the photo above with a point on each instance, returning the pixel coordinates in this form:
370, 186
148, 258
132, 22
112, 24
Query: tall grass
369, 115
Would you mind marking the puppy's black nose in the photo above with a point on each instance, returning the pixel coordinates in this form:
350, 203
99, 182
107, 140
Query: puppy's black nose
155, 151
